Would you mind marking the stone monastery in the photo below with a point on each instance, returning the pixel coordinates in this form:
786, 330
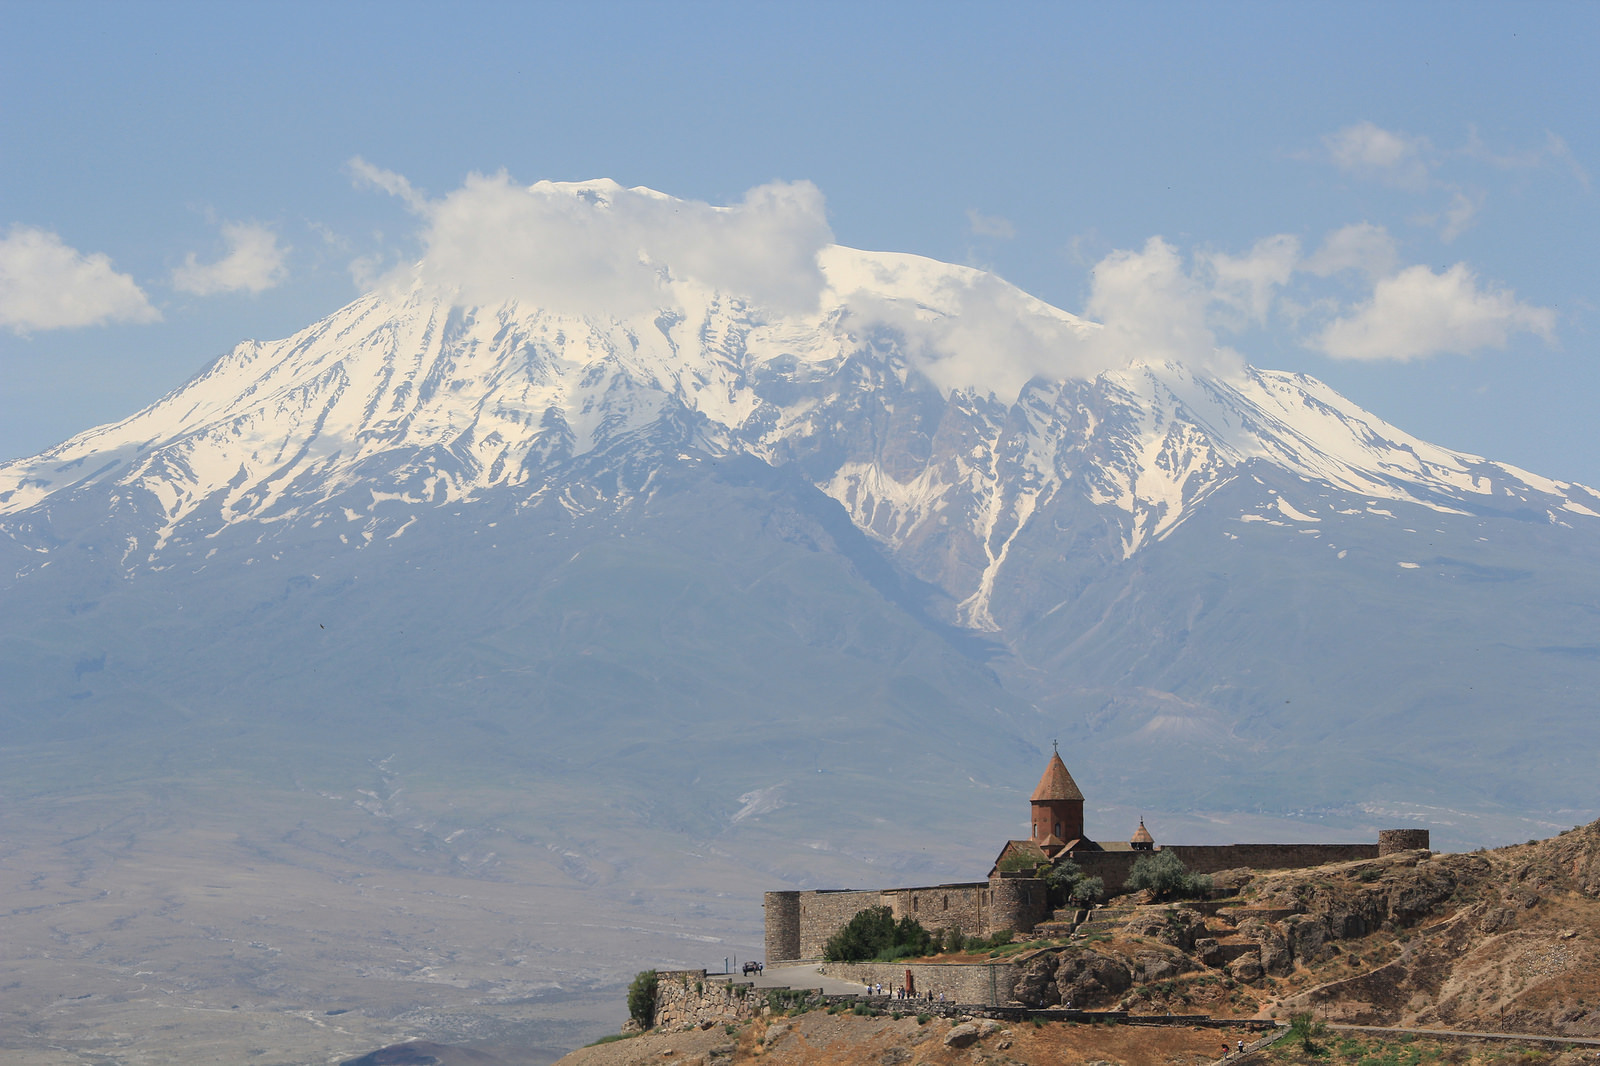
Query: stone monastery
798, 924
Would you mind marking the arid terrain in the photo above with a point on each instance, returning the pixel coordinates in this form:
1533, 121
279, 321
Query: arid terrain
821, 1039
339, 924
182, 922
1492, 942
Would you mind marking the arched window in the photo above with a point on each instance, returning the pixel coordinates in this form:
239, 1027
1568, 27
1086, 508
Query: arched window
1058, 829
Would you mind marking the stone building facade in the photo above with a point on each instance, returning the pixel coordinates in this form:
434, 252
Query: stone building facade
798, 924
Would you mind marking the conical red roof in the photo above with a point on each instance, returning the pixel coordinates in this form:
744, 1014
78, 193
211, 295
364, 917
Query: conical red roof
1142, 835
1056, 784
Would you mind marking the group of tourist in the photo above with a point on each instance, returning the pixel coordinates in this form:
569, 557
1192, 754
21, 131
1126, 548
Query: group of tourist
905, 993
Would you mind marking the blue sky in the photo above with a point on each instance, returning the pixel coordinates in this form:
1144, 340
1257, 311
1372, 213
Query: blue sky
1397, 199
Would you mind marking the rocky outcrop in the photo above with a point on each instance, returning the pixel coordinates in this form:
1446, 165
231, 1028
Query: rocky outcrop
1178, 926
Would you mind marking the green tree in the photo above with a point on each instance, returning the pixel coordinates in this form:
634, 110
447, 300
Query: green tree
873, 933
642, 999
1019, 863
1087, 891
1069, 885
1163, 874
1307, 1029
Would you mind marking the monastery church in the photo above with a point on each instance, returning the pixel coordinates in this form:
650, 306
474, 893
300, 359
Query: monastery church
798, 924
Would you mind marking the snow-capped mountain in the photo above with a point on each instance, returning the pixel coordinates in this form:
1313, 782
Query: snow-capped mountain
411, 400
1177, 567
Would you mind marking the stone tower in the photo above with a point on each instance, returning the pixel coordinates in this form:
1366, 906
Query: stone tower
1057, 807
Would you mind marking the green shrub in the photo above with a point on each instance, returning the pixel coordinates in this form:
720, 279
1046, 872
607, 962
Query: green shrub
924, 1019
642, 999
1164, 876
874, 934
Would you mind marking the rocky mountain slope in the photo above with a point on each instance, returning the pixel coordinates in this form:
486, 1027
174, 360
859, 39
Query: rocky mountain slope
1489, 941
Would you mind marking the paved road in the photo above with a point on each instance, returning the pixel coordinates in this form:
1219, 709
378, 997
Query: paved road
798, 977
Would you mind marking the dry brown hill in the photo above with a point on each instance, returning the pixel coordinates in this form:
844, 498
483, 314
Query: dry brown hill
1502, 941
1492, 941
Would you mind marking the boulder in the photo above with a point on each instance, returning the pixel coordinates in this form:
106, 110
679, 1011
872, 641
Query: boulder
1036, 985
963, 1035
1274, 946
1208, 951
1177, 926
1087, 978
1308, 939
1246, 969
1160, 965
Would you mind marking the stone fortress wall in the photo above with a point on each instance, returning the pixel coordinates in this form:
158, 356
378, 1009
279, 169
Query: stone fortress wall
798, 924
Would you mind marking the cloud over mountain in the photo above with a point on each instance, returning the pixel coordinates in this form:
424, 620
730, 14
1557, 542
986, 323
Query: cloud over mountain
598, 248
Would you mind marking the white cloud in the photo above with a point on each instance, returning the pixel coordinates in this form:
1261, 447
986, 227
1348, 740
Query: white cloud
975, 330
1553, 152
1152, 309
982, 333
388, 181
254, 263
1248, 283
44, 284
1458, 217
990, 225
1417, 313
1361, 246
597, 248
1365, 150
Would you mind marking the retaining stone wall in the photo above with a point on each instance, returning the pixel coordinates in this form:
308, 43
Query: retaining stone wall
686, 1000
970, 983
